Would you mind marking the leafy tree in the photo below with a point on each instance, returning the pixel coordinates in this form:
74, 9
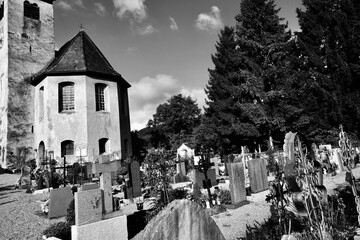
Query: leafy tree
174, 122
240, 88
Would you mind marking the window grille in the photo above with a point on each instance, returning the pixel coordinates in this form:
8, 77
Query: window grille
100, 91
67, 98
31, 10
67, 148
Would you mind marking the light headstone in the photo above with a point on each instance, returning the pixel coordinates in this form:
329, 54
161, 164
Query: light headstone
257, 175
237, 183
88, 206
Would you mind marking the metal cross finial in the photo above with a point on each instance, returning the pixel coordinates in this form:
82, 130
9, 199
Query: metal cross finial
81, 27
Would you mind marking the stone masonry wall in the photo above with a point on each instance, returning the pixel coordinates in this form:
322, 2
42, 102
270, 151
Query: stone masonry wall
31, 46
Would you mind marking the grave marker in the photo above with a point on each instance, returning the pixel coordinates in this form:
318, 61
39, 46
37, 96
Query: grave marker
179, 177
257, 175
60, 199
88, 206
237, 184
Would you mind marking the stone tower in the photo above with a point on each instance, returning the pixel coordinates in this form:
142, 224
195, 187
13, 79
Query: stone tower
27, 45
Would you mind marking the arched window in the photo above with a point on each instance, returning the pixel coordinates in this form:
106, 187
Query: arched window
31, 10
66, 96
104, 145
101, 97
67, 148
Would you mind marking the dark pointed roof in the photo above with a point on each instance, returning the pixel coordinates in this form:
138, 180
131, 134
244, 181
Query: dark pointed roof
80, 56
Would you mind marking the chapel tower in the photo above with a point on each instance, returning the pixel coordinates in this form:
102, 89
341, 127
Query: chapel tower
27, 45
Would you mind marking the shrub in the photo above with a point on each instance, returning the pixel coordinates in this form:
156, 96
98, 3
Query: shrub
225, 196
60, 230
178, 193
70, 213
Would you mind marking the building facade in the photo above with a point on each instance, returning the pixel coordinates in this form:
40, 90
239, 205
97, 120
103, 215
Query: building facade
56, 102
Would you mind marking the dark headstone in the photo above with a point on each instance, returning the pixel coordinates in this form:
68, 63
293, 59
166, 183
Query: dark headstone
199, 177
257, 175
60, 199
179, 177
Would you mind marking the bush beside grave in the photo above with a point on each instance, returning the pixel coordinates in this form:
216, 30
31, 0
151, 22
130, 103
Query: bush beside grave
225, 196
62, 230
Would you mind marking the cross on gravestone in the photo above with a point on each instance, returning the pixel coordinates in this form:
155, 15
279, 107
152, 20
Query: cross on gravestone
104, 169
203, 166
64, 168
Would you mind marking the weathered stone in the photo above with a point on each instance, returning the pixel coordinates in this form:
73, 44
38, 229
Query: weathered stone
88, 206
105, 185
89, 186
237, 182
257, 175
60, 198
113, 228
182, 220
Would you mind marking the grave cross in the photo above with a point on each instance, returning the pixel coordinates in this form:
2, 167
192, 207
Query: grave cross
64, 168
203, 166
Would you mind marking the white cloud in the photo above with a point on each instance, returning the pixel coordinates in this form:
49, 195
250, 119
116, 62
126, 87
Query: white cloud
134, 9
146, 30
173, 25
100, 9
210, 21
65, 6
146, 95
70, 5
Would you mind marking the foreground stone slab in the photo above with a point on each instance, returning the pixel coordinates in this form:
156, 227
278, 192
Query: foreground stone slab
237, 182
113, 228
257, 175
181, 220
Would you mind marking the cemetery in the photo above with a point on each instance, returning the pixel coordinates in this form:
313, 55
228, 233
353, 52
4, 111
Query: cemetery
96, 204
272, 152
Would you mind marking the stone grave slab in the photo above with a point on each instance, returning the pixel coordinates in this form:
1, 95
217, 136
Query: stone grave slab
199, 177
237, 184
113, 228
89, 186
257, 175
134, 190
180, 167
179, 178
60, 199
88, 206
105, 185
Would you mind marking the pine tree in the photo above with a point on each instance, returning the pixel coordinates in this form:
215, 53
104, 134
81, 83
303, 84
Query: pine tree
239, 88
327, 55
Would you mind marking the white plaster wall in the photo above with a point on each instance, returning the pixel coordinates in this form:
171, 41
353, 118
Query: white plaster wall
60, 126
103, 124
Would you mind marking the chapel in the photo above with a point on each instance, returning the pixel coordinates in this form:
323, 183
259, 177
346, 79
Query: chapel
56, 102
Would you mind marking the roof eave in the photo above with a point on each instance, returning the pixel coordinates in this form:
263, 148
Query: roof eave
114, 78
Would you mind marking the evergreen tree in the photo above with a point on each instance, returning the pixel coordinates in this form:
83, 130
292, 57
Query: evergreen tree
326, 62
240, 89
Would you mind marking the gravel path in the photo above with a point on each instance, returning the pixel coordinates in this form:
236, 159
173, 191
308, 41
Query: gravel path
19, 217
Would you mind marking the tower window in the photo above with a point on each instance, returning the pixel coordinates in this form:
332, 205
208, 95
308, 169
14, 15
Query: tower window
67, 148
100, 96
66, 96
1, 10
31, 10
104, 145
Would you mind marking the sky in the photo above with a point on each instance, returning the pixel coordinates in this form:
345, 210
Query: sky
161, 47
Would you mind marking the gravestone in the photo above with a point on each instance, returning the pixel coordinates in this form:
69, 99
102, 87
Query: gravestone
133, 190
257, 175
199, 177
237, 184
337, 159
180, 167
179, 177
88, 206
105, 185
60, 199
215, 160
25, 178
89, 186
